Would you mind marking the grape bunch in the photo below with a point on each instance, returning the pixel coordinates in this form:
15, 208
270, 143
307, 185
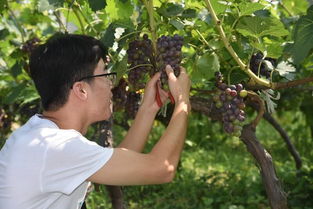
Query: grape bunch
229, 100
120, 95
257, 62
30, 45
169, 53
132, 103
139, 54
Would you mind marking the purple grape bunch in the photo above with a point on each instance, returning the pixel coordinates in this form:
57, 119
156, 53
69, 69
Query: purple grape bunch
120, 95
169, 53
257, 62
30, 45
132, 103
229, 100
139, 53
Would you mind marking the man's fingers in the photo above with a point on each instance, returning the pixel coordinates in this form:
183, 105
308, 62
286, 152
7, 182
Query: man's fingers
182, 70
154, 79
170, 72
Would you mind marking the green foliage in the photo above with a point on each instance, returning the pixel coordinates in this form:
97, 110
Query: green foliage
303, 37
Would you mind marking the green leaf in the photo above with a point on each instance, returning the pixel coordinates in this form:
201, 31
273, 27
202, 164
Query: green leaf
120, 68
261, 26
96, 5
303, 39
206, 65
116, 9
189, 13
108, 36
286, 70
16, 69
2, 5
14, 94
247, 8
219, 6
170, 10
44, 5
177, 24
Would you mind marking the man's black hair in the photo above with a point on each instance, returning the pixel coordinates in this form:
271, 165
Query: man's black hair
56, 65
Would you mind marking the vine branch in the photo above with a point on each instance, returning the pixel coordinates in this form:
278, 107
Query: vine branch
230, 49
281, 85
149, 6
254, 97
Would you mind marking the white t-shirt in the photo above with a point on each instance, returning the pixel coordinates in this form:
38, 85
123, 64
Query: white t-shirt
44, 167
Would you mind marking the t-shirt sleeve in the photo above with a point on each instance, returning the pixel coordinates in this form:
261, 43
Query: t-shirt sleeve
71, 162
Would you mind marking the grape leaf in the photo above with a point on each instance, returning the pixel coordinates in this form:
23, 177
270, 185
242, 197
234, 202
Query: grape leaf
268, 96
261, 26
219, 6
96, 5
189, 13
206, 65
177, 24
248, 8
286, 70
43, 5
117, 9
303, 39
120, 68
170, 10
2, 5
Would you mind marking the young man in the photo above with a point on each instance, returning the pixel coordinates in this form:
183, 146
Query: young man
48, 163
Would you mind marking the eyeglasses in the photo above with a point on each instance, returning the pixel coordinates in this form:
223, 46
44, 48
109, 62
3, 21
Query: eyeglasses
109, 76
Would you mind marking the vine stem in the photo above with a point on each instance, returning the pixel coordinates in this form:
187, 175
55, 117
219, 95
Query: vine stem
18, 25
61, 25
149, 5
140, 65
242, 65
85, 18
255, 97
76, 12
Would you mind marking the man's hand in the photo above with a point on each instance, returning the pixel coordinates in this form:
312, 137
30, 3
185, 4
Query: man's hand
179, 86
149, 98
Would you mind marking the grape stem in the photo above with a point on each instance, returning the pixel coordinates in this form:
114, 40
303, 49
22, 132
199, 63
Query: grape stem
242, 65
61, 25
141, 65
76, 12
256, 98
149, 6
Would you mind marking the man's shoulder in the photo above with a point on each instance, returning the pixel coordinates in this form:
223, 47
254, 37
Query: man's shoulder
37, 130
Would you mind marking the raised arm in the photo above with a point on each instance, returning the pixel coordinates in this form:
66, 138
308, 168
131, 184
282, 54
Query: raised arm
137, 135
127, 167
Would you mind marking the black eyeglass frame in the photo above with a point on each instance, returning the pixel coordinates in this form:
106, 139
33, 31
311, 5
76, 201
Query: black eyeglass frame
99, 75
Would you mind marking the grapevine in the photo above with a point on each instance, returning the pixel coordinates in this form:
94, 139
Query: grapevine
229, 100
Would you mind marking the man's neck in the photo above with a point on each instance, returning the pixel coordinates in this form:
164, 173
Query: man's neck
67, 120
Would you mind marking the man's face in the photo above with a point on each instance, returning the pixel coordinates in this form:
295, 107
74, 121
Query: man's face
100, 94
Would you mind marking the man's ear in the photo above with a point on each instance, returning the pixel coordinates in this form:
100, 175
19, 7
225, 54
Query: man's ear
79, 90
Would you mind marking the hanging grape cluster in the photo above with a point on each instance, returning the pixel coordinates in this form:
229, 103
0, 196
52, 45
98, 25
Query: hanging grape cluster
124, 99
139, 54
169, 53
229, 100
30, 45
257, 62
144, 62
120, 95
132, 103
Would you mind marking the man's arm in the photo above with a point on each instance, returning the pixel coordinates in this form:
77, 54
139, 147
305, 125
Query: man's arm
127, 167
137, 135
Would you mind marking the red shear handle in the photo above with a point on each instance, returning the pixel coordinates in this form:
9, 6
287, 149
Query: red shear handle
157, 97
171, 98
